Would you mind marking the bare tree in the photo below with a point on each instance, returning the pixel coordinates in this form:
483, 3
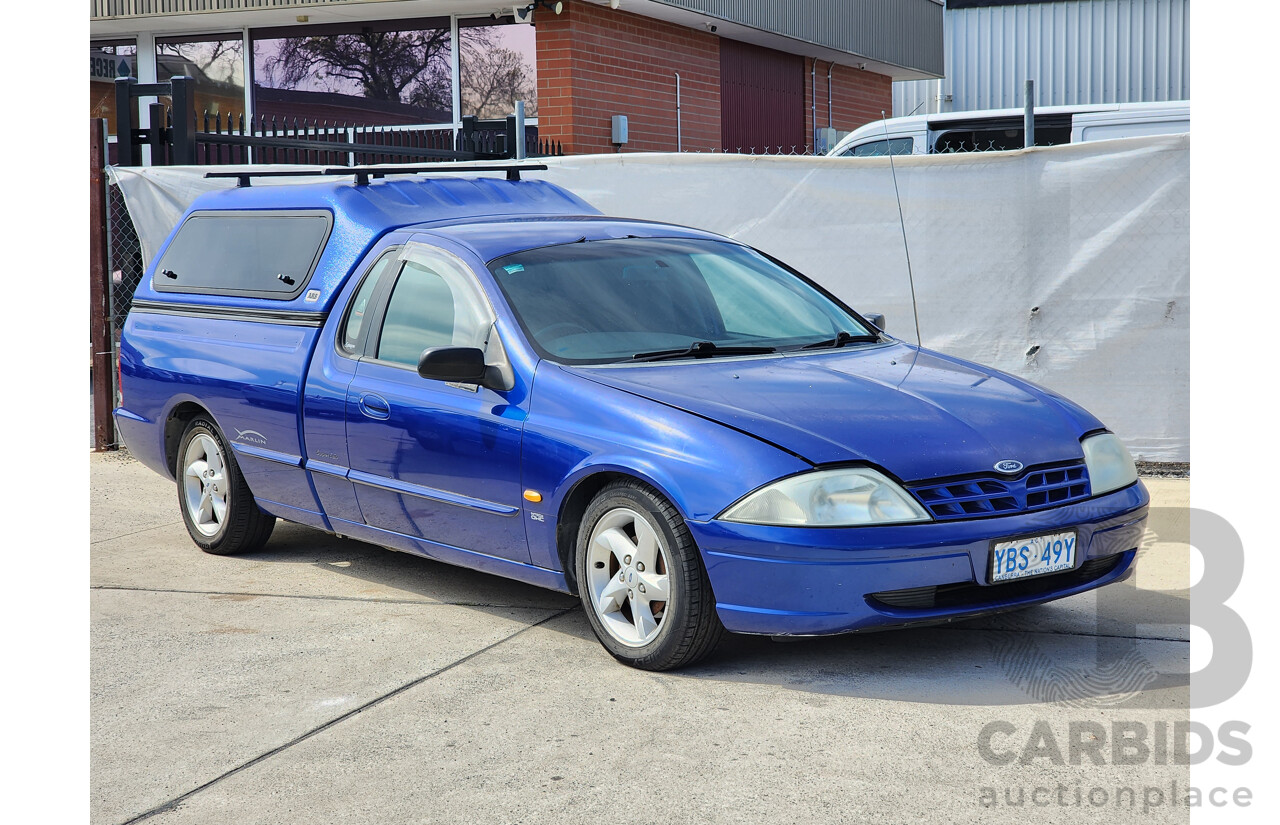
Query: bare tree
493, 78
410, 67
218, 61
405, 66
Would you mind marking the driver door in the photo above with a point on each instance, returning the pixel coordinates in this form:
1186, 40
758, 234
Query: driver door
433, 460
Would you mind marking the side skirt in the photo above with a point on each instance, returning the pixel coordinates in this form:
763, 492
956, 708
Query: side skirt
527, 573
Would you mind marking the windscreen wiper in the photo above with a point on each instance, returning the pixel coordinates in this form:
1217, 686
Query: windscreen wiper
700, 349
843, 338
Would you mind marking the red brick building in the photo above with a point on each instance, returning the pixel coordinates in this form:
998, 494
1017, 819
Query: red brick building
595, 62
689, 75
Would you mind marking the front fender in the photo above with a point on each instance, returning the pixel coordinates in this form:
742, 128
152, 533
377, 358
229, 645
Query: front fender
578, 428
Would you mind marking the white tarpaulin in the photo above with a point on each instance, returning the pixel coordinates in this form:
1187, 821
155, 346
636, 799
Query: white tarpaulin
1068, 266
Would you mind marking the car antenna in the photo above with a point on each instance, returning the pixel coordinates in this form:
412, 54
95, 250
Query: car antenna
902, 222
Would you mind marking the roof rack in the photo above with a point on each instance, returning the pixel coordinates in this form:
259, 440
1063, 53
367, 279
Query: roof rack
364, 173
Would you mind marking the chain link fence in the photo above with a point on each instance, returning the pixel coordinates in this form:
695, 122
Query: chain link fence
796, 150
124, 259
125, 265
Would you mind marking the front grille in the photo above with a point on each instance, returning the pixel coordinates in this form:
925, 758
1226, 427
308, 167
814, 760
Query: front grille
1049, 487
969, 594
976, 497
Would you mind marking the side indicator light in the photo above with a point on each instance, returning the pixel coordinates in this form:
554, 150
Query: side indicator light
532, 495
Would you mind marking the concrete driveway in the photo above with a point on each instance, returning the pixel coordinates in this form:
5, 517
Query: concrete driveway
329, 681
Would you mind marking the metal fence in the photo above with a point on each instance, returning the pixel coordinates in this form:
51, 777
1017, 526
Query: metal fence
298, 140
179, 135
124, 259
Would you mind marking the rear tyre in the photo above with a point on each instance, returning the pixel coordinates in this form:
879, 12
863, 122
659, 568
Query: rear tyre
216, 504
641, 580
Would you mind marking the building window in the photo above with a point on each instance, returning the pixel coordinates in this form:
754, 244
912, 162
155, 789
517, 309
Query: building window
216, 62
384, 73
497, 66
374, 73
109, 59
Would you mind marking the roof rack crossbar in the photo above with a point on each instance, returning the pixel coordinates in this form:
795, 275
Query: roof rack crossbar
243, 178
364, 173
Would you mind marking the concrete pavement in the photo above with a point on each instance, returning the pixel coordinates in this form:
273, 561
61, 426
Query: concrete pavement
326, 680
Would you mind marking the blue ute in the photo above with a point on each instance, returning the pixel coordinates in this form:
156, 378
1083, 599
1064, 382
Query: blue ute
680, 429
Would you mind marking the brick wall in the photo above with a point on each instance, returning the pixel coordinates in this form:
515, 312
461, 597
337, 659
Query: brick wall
595, 62
857, 97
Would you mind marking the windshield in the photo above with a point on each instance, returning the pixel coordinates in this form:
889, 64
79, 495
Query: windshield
663, 298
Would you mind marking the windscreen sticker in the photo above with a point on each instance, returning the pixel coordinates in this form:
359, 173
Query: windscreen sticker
514, 268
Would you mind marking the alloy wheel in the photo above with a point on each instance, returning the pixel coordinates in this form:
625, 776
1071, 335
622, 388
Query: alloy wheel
627, 568
205, 488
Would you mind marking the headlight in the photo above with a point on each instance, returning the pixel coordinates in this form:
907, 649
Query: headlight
828, 498
1110, 465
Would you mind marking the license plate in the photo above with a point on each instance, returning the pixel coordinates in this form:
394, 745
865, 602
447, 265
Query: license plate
1033, 556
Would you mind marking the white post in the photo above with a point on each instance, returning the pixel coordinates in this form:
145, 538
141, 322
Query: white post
455, 61
146, 61
246, 71
521, 149
679, 125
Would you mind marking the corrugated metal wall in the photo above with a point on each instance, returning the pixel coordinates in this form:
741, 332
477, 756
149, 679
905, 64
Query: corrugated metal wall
1080, 51
905, 33
99, 9
917, 97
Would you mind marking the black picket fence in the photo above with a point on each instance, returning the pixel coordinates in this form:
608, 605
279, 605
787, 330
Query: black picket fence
234, 140
207, 139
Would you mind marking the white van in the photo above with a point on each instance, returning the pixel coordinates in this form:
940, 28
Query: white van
997, 130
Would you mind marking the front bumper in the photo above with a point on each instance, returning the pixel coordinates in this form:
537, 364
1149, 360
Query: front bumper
784, 581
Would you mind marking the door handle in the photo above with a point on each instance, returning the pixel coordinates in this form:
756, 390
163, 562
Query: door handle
375, 406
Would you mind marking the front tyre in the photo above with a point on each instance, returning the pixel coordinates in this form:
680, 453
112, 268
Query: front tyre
641, 580
217, 506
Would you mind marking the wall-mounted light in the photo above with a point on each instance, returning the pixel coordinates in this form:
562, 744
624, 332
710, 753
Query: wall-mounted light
553, 6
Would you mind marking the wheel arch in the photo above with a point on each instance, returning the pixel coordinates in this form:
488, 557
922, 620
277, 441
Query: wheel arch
582, 488
175, 424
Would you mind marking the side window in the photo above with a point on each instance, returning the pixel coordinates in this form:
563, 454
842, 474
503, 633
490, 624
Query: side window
881, 148
434, 303
257, 254
358, 315
419, 316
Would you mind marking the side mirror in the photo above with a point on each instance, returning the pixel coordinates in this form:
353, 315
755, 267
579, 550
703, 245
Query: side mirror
876, 318
462, 365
